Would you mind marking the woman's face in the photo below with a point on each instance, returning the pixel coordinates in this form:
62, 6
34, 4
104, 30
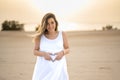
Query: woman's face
51, 25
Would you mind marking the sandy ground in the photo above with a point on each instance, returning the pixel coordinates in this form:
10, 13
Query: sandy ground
94, 55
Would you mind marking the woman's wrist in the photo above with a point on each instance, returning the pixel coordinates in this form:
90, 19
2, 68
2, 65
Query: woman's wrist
44, 54
63, 52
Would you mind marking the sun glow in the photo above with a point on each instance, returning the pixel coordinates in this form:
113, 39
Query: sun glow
61, 7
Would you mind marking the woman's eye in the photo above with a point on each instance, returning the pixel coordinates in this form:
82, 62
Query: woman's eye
52, 22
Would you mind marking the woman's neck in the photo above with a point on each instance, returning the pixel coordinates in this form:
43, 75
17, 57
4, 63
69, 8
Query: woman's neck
52, 33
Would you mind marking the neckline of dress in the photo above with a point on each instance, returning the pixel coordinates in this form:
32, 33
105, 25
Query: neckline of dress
54, 38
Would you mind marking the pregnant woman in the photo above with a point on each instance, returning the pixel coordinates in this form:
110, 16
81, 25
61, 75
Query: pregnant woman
51, 46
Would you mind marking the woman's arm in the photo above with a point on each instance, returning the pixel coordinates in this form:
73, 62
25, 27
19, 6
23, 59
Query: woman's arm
66, 47
37, 51
65, 44
36, 47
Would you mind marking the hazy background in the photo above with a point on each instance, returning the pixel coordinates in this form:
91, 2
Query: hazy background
94, 55
72, 14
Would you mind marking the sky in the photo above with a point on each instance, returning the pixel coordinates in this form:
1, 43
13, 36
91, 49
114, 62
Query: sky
76, 11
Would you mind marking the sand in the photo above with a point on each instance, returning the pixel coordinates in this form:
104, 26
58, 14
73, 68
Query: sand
94, 55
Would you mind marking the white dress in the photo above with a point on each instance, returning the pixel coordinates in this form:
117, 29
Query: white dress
49, 70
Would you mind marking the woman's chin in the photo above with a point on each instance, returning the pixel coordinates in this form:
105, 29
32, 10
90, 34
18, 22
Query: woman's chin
51, 30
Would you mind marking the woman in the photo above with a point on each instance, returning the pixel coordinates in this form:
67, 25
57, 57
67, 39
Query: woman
51, 46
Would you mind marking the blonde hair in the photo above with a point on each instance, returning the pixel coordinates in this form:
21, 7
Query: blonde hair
42, 28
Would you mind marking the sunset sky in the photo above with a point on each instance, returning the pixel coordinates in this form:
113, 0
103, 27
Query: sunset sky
78, 11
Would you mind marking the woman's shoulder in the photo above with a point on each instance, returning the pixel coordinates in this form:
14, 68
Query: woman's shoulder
63, 32
37, 37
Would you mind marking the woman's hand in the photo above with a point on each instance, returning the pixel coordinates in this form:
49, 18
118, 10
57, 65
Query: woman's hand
47, 56
59, 55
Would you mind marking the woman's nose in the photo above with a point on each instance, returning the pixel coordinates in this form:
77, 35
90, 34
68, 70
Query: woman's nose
50, 25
